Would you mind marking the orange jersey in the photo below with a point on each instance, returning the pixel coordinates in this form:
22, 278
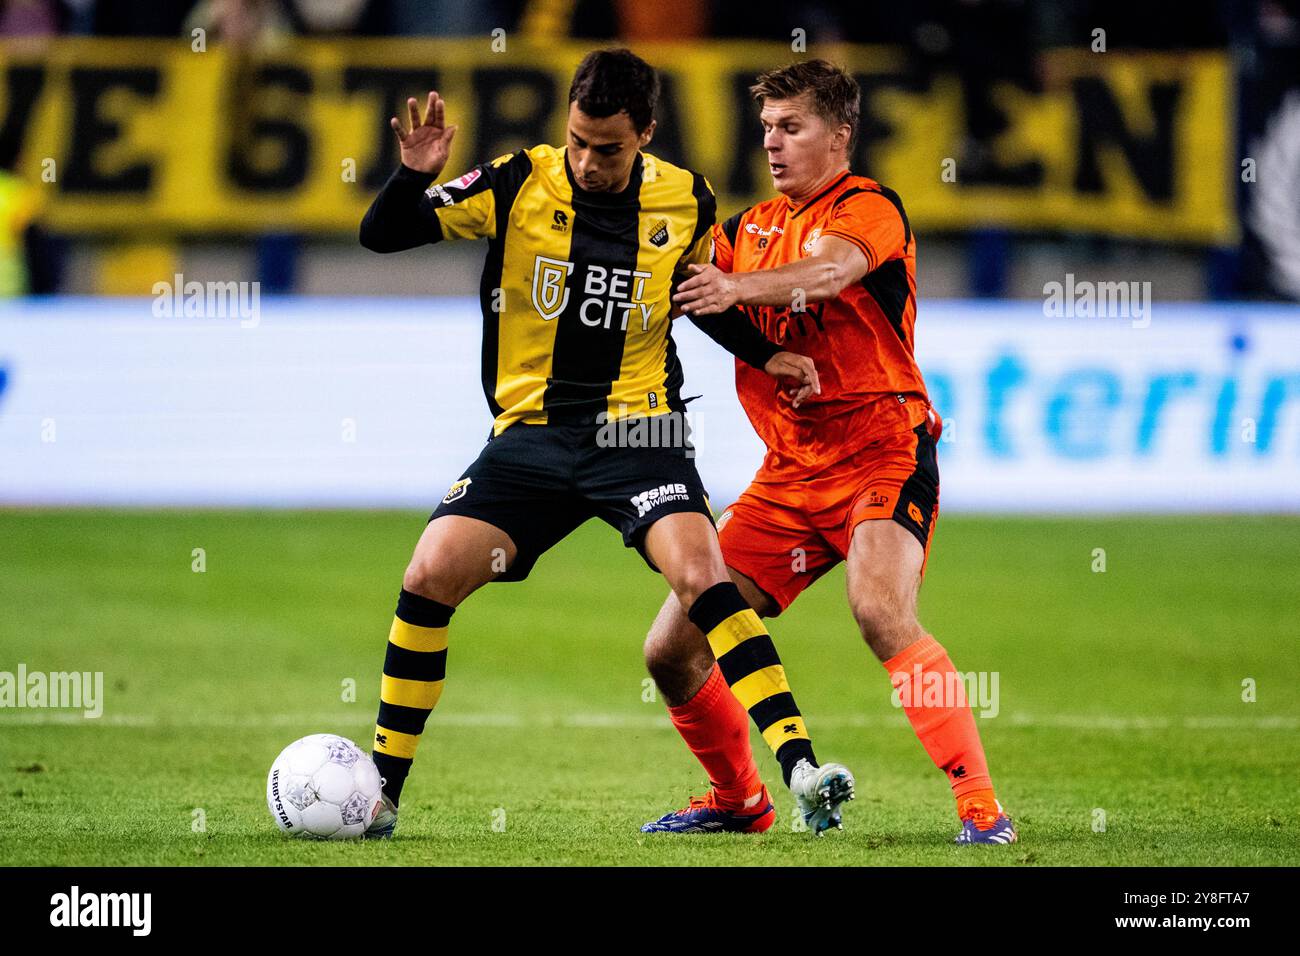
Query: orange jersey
861, 339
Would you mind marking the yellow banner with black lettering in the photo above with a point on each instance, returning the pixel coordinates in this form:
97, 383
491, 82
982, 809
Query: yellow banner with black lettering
158, 136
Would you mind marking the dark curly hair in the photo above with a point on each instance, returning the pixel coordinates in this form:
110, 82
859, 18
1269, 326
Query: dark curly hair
616, 81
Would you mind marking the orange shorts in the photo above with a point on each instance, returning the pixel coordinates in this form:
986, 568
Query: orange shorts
784, 536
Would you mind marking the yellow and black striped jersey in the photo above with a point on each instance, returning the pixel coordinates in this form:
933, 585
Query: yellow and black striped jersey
576, 288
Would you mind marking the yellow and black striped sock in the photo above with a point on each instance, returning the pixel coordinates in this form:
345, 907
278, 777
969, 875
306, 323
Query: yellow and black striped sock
749, 662
415, 666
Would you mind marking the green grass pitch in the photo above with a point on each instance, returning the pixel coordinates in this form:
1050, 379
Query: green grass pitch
1120, 694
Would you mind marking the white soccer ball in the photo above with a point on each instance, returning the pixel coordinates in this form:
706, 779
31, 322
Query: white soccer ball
323, 787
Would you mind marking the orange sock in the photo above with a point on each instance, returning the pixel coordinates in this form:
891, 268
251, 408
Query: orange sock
941, 717
716, 728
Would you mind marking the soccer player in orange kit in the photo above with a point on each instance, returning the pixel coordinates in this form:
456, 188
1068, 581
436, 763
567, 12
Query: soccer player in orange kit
827, 269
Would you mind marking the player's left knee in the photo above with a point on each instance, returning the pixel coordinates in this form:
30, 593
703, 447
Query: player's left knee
678, 661
661, 654
885, 623
688, 586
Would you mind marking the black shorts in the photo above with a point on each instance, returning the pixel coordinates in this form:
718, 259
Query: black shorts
537, 483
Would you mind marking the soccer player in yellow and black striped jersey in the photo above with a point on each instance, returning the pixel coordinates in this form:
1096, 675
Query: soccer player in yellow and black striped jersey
584, 243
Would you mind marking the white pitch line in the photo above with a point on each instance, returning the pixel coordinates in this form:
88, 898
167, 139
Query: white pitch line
616, 721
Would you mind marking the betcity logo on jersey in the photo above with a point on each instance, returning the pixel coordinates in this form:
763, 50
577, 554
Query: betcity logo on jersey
612, 296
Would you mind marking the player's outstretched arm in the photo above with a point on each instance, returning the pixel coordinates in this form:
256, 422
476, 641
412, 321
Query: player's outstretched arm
395, 221
798, 374
735, 333
834, 264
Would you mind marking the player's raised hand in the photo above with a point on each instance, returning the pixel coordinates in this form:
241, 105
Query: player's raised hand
797, 372
708, 291
427, 144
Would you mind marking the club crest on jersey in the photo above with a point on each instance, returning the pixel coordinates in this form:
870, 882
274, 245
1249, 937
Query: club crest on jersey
457, 491
812, 238
659, 232
550, 286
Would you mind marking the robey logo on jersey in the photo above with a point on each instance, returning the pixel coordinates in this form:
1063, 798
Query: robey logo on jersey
611, 295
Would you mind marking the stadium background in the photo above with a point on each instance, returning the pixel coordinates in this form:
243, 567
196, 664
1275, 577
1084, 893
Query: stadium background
1089, 459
